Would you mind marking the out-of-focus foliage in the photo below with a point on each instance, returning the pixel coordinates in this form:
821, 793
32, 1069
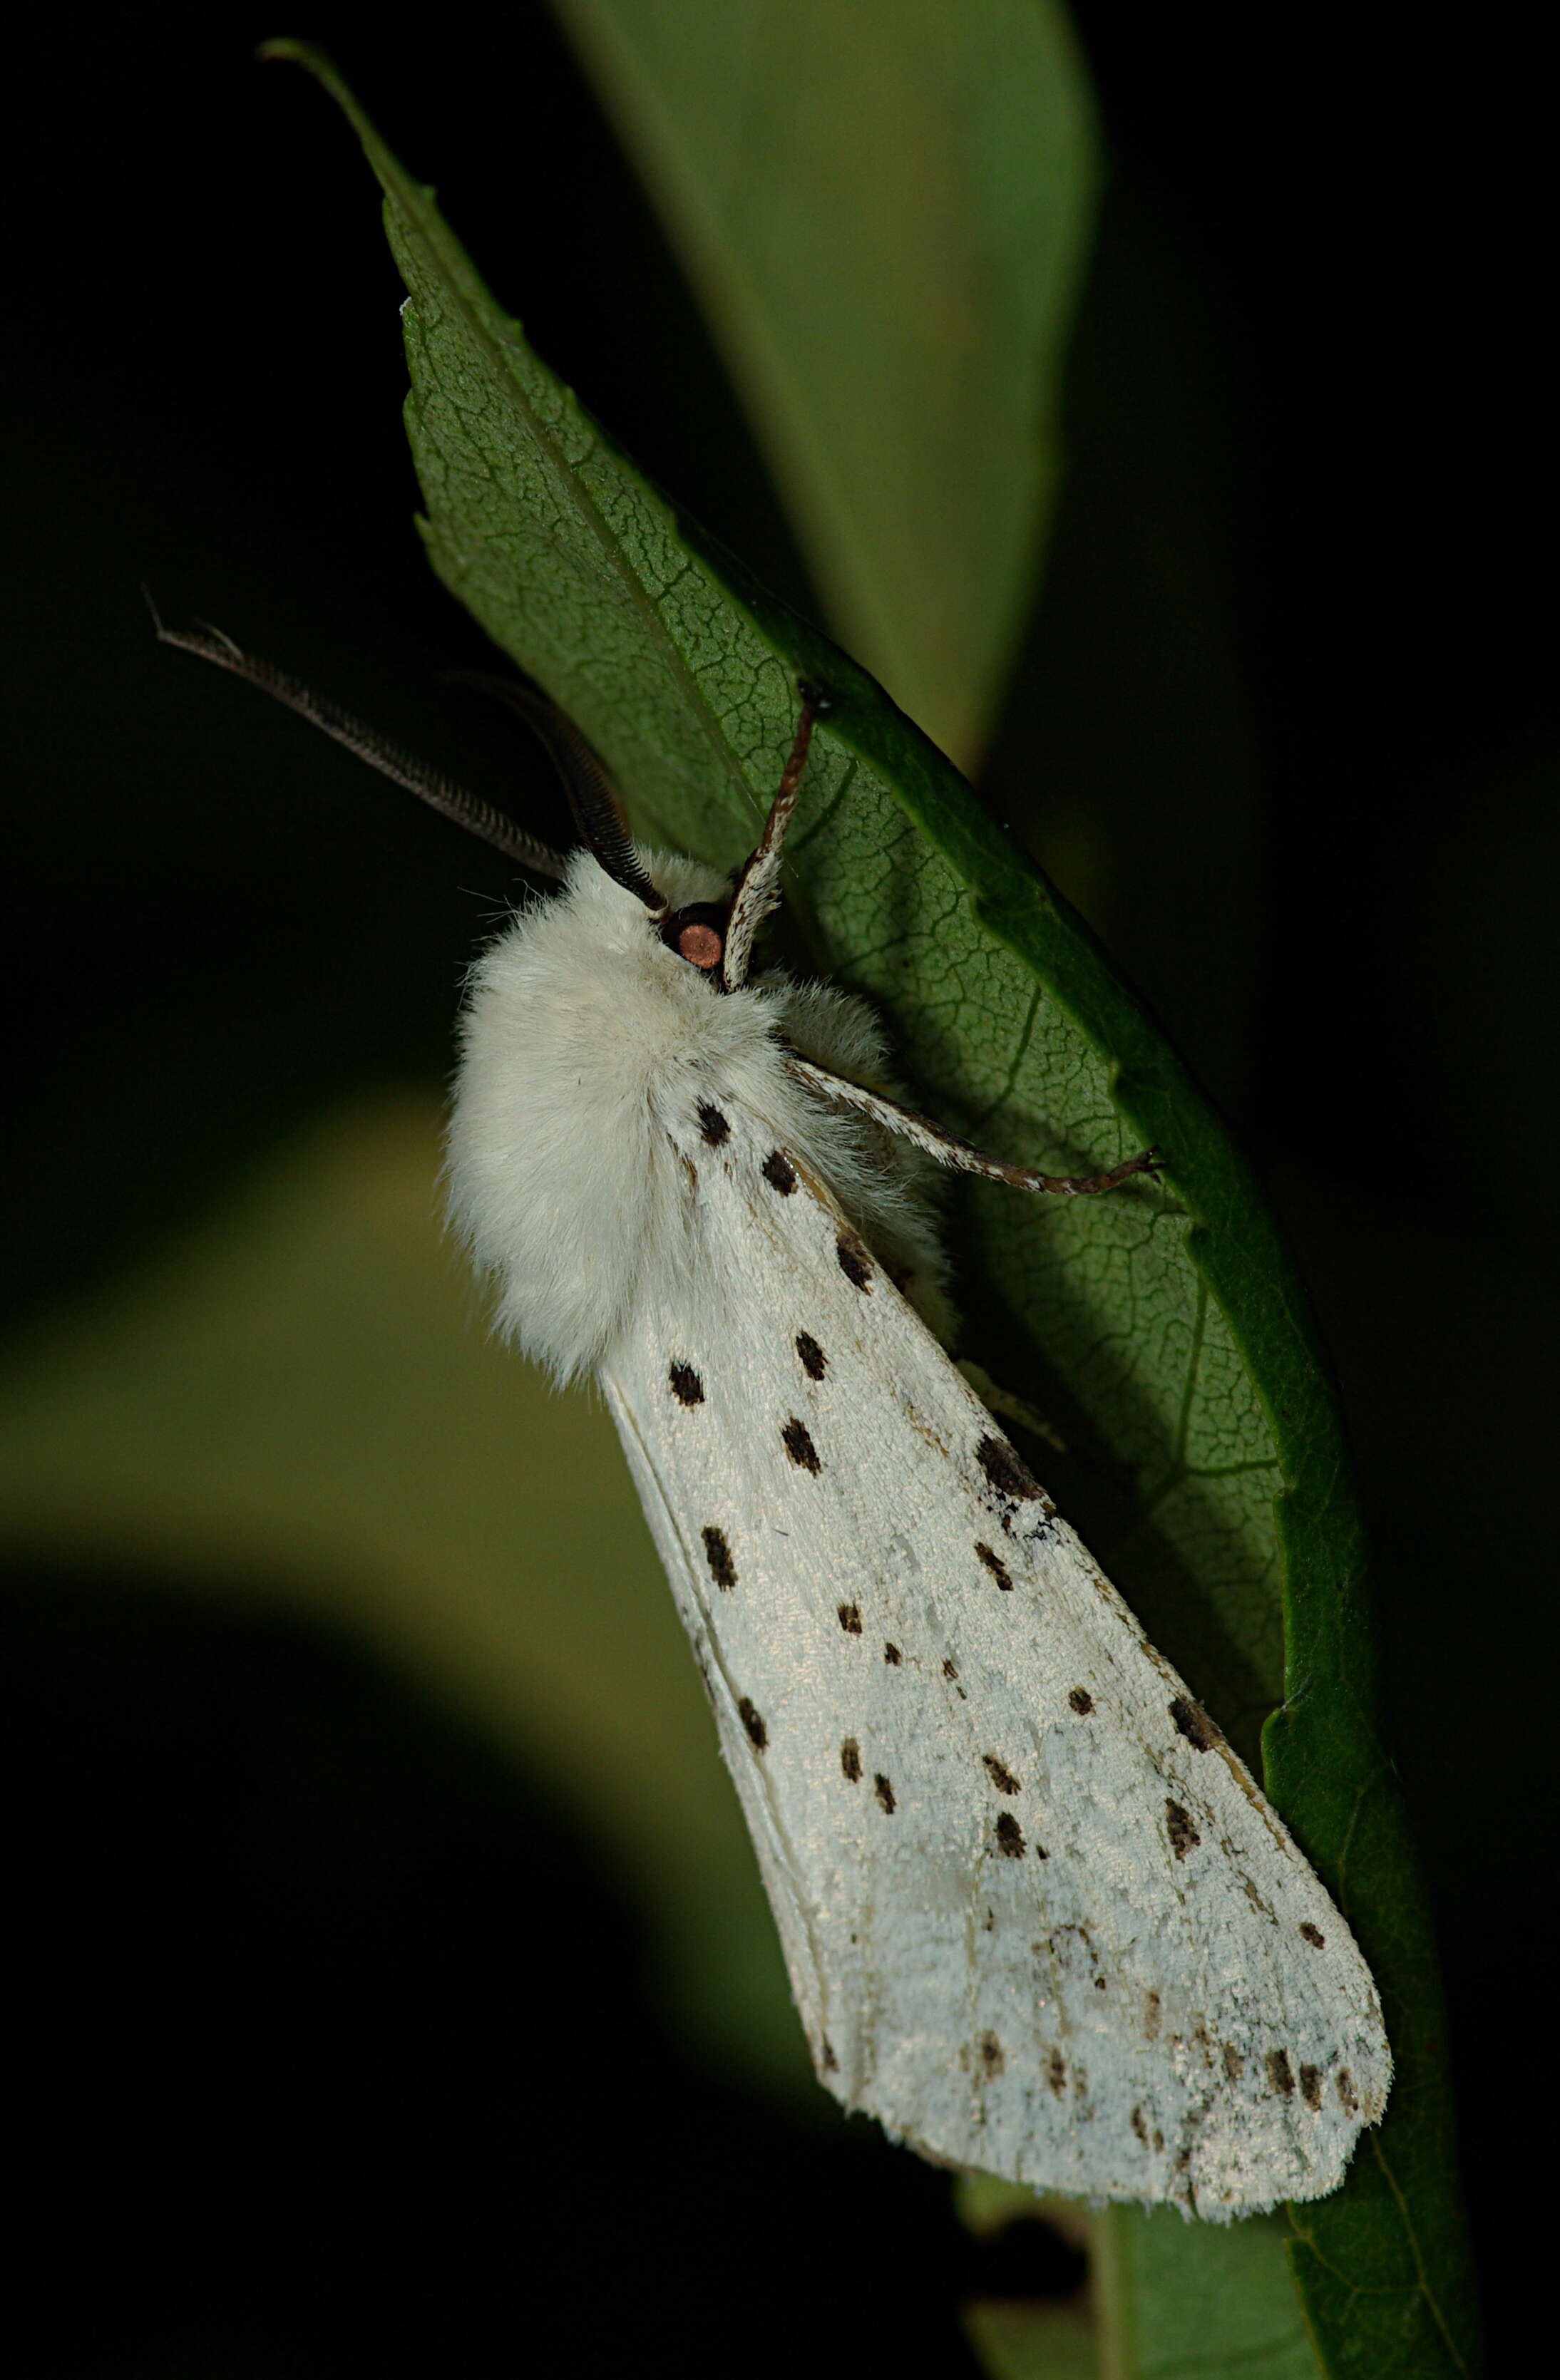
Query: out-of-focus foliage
886, 210
303, 1392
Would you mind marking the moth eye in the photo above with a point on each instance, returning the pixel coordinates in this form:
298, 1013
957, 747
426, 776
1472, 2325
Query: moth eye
700, 945
698, 935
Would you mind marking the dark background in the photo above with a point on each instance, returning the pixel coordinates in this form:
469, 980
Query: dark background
1294, 661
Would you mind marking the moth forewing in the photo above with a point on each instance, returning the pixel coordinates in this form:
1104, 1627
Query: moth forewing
1038, 1917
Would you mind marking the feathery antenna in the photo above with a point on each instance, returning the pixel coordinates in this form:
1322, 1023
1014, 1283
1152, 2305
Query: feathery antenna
431, 786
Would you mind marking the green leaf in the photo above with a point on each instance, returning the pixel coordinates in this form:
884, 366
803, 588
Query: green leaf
1016, 2341
1183, 2299
296, 1400
1164, 1332
887, 237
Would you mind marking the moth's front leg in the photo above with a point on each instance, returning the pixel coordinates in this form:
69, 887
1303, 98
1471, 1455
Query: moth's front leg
946, 1148
758, 887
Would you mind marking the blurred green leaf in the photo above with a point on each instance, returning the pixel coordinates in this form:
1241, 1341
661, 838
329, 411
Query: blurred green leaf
886, 211
1164, 2298
1181, 2299
1029, 2337
303, 1392
1017, 2341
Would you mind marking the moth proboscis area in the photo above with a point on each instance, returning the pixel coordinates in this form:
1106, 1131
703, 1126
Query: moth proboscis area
1039, 1918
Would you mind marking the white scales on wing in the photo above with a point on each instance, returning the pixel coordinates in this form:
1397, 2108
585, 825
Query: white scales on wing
1038, 1917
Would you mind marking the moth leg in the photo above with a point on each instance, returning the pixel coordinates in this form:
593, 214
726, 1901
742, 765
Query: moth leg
1003, 1403
949, 1150
758, 887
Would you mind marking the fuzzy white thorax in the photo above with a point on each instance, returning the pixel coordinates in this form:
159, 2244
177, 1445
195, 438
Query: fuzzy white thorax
583, 1037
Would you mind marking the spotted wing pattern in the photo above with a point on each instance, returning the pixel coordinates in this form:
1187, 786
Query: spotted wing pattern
1038, 1919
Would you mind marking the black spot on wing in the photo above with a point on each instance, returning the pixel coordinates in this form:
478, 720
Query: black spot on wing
1313, 1934
991, 2055
713, 1124
1005, 1471
1310, 2085
1195, 1724
997, 1568
757, 1734
1281, 2080
831, 2063
1184, 1836
893, 1655
797, 1443
853, 1262
813, 1361
851, 1619
1082, 1703
1348, 2096
686, 1384
1001, 1776
885, 1792
850, 1760
1009, 1836
779, 1172
717, 1553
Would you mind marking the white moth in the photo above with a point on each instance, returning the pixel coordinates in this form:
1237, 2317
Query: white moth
1039, 1918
